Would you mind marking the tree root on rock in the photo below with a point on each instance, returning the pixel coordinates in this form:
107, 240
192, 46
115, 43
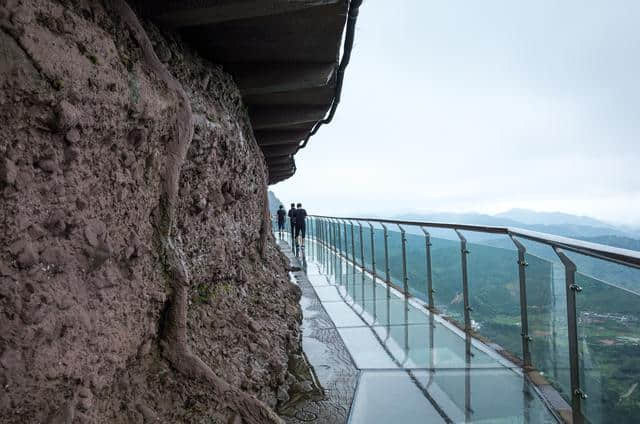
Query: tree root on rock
174, 342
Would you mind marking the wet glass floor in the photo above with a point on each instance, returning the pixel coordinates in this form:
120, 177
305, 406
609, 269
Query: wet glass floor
416, 367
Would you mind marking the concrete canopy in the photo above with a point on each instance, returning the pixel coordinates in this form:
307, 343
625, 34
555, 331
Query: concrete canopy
283, 54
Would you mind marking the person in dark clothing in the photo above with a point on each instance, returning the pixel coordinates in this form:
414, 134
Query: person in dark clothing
292, 220
301, 215
282, 214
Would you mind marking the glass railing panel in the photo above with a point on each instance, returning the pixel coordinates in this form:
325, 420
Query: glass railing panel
345, 240
379, 250
547, 315
337, 252
608, 319
368, 258
417, 262
395, 256
360, 239
494, 291
447, 275
351, 248
374, 293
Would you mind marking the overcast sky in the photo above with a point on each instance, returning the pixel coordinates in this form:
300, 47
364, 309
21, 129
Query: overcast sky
457, 105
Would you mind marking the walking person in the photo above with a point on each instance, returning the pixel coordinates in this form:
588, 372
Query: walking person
292, 221
282, 214
301, 216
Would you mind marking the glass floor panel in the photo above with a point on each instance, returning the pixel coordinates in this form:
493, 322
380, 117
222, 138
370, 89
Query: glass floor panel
328, 293
474, 396
342, 315
319, 280
413, 346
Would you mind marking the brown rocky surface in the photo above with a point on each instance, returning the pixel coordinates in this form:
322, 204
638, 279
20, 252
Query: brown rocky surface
138, 280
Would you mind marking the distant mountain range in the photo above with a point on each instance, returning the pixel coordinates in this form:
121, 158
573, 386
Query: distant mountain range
557, 223
561, 224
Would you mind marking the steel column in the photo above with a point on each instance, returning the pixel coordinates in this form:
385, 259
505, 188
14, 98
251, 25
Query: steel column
373, 270
335, 227
324, 244
386, 269
361, 258
405, 277
335, 252
310, 235
339, 251
524, 319
405, 287
353, 259
465, 281
577, 395
346, 255
312, 224
430, 290
320, 240
316, 250
331, 241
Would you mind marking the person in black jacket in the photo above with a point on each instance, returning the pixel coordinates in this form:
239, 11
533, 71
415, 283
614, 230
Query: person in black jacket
282, 214
292, 220
301, 215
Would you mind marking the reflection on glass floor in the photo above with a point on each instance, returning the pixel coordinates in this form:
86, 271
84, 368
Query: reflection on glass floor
416, 367
441, 396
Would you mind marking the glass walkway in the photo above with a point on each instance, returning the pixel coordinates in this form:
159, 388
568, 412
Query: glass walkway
416, 367
470, 323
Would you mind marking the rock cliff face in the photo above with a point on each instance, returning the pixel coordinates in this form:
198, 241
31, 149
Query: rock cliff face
138, 278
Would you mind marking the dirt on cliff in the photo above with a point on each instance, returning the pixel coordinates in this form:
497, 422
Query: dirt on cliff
87, 299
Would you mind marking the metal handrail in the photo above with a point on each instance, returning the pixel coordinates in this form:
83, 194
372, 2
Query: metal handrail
613, 254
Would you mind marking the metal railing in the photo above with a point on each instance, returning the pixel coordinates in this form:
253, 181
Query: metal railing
335, 245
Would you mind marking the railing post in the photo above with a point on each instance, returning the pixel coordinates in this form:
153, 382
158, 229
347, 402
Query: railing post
346, 255
465, 281
332, 239
361, 259
405, 287
314, 238
353, 259
373, 271
524, 320
386, 270
577, 395
310, 235
339, 251
319, 240
427, 245
316, 232
331, 258
335, 248
324, 244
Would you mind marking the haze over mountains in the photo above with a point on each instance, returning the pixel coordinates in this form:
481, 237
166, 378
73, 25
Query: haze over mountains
558, 223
